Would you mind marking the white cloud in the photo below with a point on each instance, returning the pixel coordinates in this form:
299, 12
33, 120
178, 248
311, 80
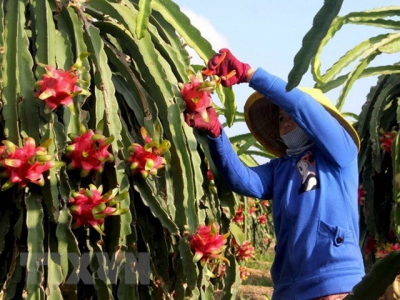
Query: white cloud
208, 31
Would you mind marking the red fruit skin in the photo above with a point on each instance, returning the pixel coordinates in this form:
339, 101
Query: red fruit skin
58, 86
197, 98
206, 243
88, 154
22, 166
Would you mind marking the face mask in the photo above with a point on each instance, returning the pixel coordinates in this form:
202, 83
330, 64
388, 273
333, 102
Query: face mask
297, 141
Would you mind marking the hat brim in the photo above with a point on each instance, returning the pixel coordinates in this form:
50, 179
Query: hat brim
262, 119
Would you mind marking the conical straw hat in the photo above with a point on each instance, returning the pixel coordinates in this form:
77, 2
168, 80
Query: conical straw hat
261, 116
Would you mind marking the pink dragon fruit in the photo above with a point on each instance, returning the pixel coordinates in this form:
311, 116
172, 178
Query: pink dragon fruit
239, 215
89, 152
262, 219
387, 140
361, 195
245, 251
207, 243
147, 159
27, 164
89, 207
197, 95
58, 87
244, 272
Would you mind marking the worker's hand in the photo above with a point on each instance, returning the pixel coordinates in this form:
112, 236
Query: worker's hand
213, 127
225, 65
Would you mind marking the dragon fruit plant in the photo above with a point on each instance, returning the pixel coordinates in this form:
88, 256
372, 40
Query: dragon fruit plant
49, 88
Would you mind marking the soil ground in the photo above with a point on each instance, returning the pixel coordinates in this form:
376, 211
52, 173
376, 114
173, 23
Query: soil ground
258, 286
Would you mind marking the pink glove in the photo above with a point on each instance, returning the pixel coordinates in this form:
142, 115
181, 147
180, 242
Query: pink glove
227, 67
213, 127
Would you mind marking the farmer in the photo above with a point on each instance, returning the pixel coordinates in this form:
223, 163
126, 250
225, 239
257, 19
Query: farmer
313, 182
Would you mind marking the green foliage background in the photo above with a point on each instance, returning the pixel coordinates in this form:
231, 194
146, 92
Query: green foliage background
137, 58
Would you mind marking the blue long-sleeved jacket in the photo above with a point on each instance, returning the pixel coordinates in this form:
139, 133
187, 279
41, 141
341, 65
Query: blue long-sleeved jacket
314, 198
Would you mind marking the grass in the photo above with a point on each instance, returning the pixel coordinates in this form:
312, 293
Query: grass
263, 260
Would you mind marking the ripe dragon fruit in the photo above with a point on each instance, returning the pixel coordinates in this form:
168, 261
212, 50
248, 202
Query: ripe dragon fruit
244, 272
89, 207
207, 243
245, 251
197, 95
386, 139
147, 159
239, 215
89, 152
252, 207
361, 195
384, 249
27, 164
262, 219
58, 87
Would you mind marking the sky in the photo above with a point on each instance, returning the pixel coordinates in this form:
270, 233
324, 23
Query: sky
269, 33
